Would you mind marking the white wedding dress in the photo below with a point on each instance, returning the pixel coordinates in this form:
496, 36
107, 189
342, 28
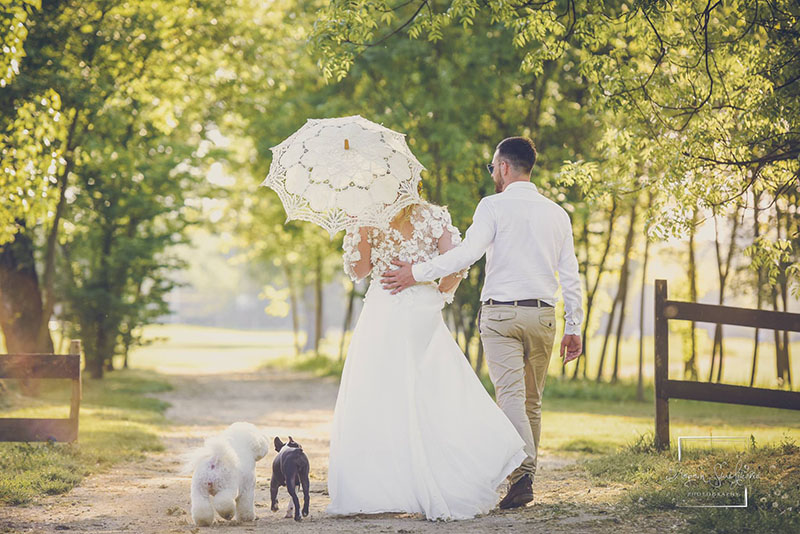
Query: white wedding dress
413, 429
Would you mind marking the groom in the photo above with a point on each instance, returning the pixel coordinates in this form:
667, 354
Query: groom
527, 238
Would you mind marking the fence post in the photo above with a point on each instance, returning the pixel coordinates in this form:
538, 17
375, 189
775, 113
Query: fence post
661, 336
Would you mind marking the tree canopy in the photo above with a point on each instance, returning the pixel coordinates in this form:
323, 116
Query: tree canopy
697, 101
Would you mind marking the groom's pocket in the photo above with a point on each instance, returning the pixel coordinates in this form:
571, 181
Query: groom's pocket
547, 321
498, 321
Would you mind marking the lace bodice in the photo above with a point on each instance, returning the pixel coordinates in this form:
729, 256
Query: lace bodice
429, 223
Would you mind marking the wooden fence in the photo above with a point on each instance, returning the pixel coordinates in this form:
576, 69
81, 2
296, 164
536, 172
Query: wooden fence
666, 389
38, 366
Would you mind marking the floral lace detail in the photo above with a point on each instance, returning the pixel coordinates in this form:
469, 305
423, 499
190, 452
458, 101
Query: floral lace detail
429, 223
351, 254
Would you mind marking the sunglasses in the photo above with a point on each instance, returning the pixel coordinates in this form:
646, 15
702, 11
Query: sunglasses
490, 168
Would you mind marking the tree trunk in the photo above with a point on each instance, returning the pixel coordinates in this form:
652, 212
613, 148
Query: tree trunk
723, 269
20, 299
785, 361
62, 341
781, 289
759, 284
21, 303
479, 360
93, 352
780, 349
690, 363
784, 285
127, 334
474, 326
617, 298
583, 269
611, 316
624, 278
48, 275
640, 372
591, 289
348, 316
97, 352
295, 311
469, 333
318, 307
309, 322
126, 347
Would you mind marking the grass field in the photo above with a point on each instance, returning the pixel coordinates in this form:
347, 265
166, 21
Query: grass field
208, 350
198, 349
117, 422
575, 412
767, 477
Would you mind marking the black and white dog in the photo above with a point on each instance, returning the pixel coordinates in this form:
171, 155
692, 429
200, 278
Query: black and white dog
290, 469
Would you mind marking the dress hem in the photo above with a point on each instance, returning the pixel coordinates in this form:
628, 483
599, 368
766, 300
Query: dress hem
513, 463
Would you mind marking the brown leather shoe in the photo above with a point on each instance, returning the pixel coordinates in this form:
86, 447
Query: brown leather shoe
519, 494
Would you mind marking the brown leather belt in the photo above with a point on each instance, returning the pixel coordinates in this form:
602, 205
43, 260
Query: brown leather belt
532, 303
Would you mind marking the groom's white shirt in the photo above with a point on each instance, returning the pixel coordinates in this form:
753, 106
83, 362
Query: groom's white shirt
527, 238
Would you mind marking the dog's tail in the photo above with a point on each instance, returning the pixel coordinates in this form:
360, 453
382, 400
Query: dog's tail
215, 446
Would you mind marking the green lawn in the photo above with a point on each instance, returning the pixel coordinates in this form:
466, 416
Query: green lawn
176, 348
602, 426
770, 474
201, 349
611, 436
117, 422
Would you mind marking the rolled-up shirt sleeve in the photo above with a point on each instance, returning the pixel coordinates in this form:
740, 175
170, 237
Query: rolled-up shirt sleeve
570, 285
477, 239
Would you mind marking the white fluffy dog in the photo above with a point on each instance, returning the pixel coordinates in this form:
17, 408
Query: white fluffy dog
224, 474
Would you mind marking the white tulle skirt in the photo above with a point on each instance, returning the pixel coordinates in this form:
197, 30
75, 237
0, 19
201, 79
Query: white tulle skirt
414, 430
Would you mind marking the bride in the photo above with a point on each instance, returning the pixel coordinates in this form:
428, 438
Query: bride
413, 429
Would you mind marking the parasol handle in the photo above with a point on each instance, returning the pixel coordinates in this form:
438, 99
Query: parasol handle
346, 144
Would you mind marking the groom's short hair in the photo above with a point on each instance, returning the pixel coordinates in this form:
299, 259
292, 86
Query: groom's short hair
519, 152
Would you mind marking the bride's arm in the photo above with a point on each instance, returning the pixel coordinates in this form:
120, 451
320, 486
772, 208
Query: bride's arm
449, 283
357, 254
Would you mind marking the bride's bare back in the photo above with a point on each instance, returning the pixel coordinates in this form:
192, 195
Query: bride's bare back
425, 233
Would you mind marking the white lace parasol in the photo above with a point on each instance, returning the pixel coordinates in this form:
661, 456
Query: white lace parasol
344, 172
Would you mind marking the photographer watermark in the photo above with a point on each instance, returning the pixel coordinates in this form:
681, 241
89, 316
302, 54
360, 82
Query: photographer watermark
723, 484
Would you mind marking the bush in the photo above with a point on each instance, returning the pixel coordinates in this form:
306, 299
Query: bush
310, 362
621, 391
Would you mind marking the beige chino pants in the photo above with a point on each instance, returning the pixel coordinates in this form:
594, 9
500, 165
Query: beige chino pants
518, 342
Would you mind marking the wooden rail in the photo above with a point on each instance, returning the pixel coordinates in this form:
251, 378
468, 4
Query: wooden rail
666, 389
38, 366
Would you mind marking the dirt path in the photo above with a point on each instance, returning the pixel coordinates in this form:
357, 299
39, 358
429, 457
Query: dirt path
150, 497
